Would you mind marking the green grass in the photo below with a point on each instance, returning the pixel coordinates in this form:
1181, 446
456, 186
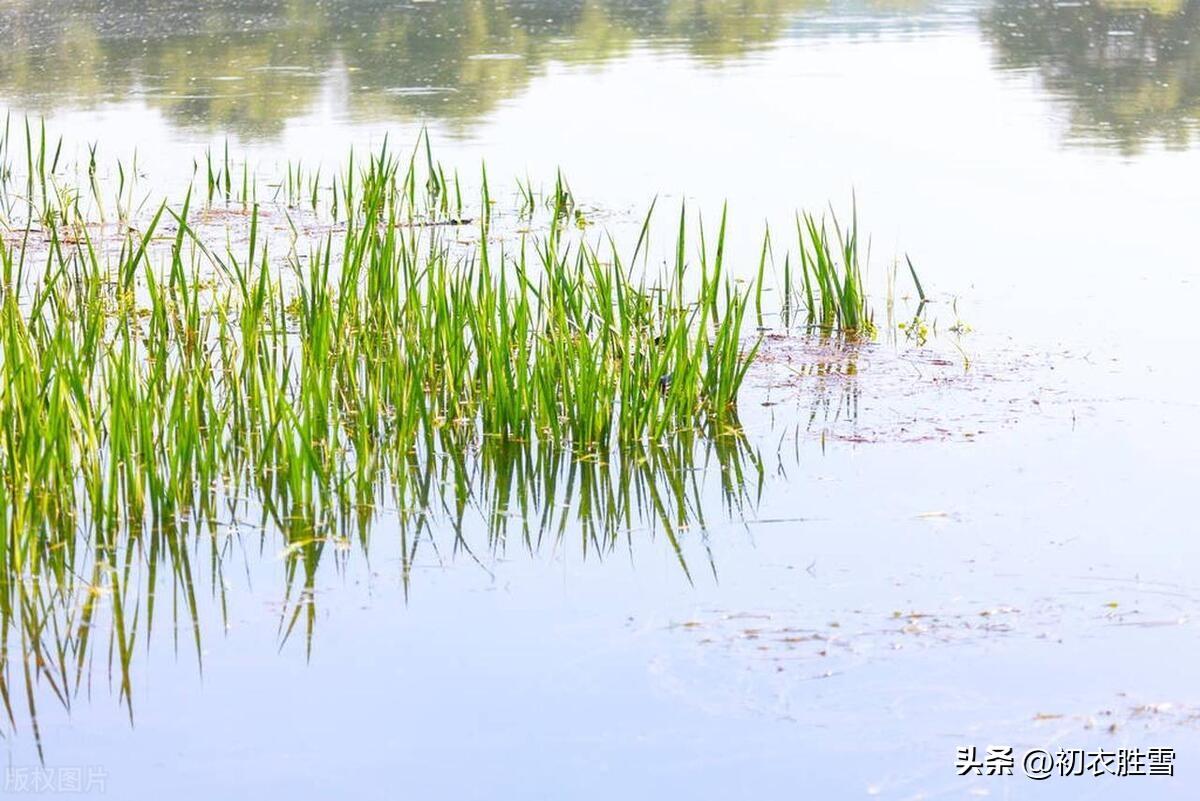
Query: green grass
829, 283
149, 385
161, 377
137, 376
146, 378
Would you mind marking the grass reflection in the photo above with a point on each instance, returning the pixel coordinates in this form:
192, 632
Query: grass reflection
84, 611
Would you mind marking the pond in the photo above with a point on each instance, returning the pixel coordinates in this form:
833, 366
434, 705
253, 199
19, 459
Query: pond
974, 530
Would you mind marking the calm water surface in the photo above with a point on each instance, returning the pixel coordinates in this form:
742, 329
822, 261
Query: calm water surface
1006, 557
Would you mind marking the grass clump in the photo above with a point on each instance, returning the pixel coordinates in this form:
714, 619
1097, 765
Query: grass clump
162, 375
829, 286
156, 382
128, 386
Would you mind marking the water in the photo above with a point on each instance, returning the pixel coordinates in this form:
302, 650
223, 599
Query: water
1007, 555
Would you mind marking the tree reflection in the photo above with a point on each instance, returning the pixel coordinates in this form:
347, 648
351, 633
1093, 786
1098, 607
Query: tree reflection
1130, 69
248, 66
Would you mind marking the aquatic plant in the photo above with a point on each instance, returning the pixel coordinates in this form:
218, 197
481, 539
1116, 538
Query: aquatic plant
830, 285
361, 341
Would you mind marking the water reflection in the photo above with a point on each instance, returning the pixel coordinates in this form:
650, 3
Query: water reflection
92, 610
248, 67
1130, 69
